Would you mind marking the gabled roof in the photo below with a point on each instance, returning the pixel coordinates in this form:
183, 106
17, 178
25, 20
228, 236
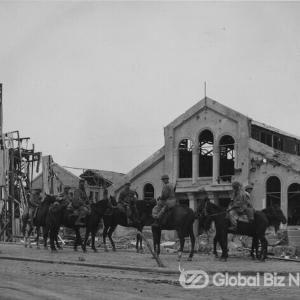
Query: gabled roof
64, 176
206, 103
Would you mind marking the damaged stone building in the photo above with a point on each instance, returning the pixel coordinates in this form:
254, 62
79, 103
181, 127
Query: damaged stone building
211, 145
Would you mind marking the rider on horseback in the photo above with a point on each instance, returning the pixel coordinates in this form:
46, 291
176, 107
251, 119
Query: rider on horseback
126, 203
240, 204
80, 203
166, 200
34, 200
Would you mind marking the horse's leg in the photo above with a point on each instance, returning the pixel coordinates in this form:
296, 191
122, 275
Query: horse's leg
215, 246
29, 234
45, 236
110, 232
38, 232
52, 238
181, 240
192, 237
254, 246
87, 233
56, 240
264, 248
139, 241
93, 233
223, 244
104, 237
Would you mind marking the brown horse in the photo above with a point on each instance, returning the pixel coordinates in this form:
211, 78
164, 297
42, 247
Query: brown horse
118, 217
178, 218
38, 222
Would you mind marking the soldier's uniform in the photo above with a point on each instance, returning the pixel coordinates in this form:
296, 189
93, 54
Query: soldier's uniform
34, 201
167, 200
126, 203
239, 205
80, 203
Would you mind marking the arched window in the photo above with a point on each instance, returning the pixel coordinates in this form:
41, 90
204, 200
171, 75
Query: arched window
206, 142
185, 159
273, 191
294, 204
227, 156
148, 191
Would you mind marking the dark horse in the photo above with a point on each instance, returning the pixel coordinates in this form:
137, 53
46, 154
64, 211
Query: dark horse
208, 212
181, 219
118, 217
59, 216
38, 221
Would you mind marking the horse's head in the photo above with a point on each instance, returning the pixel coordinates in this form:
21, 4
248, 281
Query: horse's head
275, 216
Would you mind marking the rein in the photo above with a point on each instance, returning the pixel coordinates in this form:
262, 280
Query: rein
214, 214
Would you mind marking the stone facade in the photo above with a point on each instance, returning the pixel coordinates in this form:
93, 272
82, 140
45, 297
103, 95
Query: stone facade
247, 159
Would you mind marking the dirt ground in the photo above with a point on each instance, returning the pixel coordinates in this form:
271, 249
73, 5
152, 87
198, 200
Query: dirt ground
40, 280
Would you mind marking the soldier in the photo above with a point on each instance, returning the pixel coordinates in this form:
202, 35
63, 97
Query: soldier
34, 201
80, 203
126, 202
65, 197
238, 205
166, 200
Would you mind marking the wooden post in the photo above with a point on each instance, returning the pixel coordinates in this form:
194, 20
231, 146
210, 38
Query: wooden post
159, 262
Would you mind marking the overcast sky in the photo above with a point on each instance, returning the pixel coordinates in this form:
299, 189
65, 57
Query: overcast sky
94, 83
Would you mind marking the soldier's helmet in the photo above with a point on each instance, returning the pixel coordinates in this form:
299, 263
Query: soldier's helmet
236, 185
165, 176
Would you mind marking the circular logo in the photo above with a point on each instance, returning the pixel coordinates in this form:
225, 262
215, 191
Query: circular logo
194, 279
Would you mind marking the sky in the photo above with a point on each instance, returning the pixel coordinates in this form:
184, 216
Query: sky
94, 83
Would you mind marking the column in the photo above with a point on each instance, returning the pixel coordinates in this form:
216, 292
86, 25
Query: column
284, 201
195, 164
216, 163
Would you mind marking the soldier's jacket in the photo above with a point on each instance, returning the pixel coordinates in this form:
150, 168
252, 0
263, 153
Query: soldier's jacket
80, 198
167, 192
241, 201
126, 197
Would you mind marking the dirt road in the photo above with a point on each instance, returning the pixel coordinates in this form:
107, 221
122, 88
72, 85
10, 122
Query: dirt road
36, 280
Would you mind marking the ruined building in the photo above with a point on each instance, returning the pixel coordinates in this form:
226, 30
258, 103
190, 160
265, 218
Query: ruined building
209, 146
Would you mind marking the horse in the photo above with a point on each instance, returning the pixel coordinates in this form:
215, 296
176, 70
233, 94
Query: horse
59, 215
38, 221
118, 217
209, 212
178, 218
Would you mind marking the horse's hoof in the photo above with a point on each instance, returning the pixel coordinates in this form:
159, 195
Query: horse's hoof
95, 250
53, 251
105, 249
30, 246
114, 249
223, 259
75, 249
189, 259
38, 247
25, 245
45, 248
